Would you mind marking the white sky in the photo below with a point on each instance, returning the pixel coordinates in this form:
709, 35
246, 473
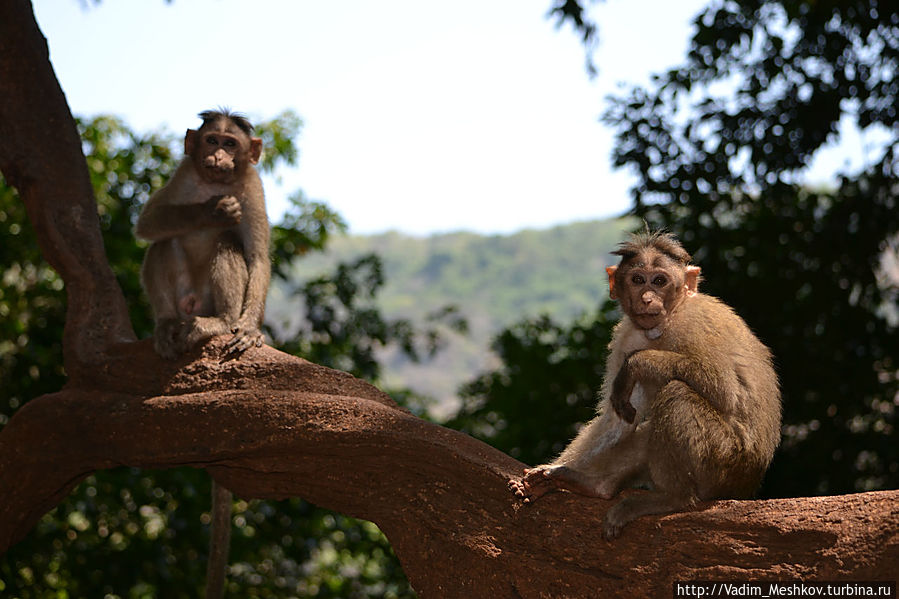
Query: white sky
419, 116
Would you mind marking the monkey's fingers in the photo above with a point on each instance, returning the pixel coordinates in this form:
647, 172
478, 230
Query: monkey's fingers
238, 344
611, 531
522, 491
532, 486
242, 341
612, 524
516, 487
228, 208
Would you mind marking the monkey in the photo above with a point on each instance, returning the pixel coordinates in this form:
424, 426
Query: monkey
689, 408
207, 269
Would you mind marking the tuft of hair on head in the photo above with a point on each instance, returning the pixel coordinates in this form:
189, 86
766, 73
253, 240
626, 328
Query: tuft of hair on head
239, 119
660, 240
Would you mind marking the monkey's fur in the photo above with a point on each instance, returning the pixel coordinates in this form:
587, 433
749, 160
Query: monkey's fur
690, 403
207, 270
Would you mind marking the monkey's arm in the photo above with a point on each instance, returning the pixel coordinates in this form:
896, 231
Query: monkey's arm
161, 219
656, 368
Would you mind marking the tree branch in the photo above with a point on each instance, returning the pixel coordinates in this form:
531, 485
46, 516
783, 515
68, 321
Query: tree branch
289, 428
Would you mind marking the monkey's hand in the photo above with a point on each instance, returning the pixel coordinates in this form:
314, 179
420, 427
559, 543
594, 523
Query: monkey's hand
225, 209
245, 337
620, 398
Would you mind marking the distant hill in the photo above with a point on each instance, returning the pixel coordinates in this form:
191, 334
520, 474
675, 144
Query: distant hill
495, 280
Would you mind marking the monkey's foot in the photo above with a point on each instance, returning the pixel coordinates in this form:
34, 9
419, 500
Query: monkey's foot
243, 340
619, 515
168, 338
613, 522
537, 482
541, 480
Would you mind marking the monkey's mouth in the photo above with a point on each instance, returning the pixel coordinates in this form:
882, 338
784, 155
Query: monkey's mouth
648, 320
219, 173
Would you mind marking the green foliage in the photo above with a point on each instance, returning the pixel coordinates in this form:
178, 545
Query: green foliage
132, 533
278, 138
307, 226
32, 312
532, 405
344, 326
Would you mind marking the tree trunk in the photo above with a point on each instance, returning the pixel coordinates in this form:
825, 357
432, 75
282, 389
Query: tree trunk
40, 155
273, 426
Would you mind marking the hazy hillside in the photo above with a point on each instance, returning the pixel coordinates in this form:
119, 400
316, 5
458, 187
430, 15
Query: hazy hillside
494, 280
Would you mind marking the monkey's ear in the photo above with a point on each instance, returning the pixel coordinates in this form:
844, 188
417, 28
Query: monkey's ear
190, 141
610, 270
691, 280
255, 149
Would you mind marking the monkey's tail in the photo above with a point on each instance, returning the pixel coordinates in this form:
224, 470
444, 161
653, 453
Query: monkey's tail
219, 542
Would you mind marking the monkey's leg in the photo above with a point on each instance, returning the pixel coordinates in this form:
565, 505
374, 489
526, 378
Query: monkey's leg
232, 296
690, 446
631, 508
161, 287
587, 466
227, 282
219, 541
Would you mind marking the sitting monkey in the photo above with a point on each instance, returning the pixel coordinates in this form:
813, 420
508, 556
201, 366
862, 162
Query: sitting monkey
690, 403
207, 270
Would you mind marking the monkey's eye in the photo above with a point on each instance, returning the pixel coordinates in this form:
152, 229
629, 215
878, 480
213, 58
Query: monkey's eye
659, 281
211, 139
638, 280
229, 143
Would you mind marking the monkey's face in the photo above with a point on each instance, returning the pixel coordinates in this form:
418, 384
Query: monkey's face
220, 156
221, 151
650, 286
649, 295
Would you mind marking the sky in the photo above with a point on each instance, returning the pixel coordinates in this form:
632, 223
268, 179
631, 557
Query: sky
419, 116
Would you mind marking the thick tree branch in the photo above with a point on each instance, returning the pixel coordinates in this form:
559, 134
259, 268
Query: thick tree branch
290, 428
40, 154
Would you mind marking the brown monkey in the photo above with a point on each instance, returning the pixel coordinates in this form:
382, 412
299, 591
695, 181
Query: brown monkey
690, 403
207, 270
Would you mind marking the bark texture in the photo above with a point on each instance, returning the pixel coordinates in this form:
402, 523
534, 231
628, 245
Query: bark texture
40, 155
273, 426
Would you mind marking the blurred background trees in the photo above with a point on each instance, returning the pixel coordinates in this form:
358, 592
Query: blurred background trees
720, 146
